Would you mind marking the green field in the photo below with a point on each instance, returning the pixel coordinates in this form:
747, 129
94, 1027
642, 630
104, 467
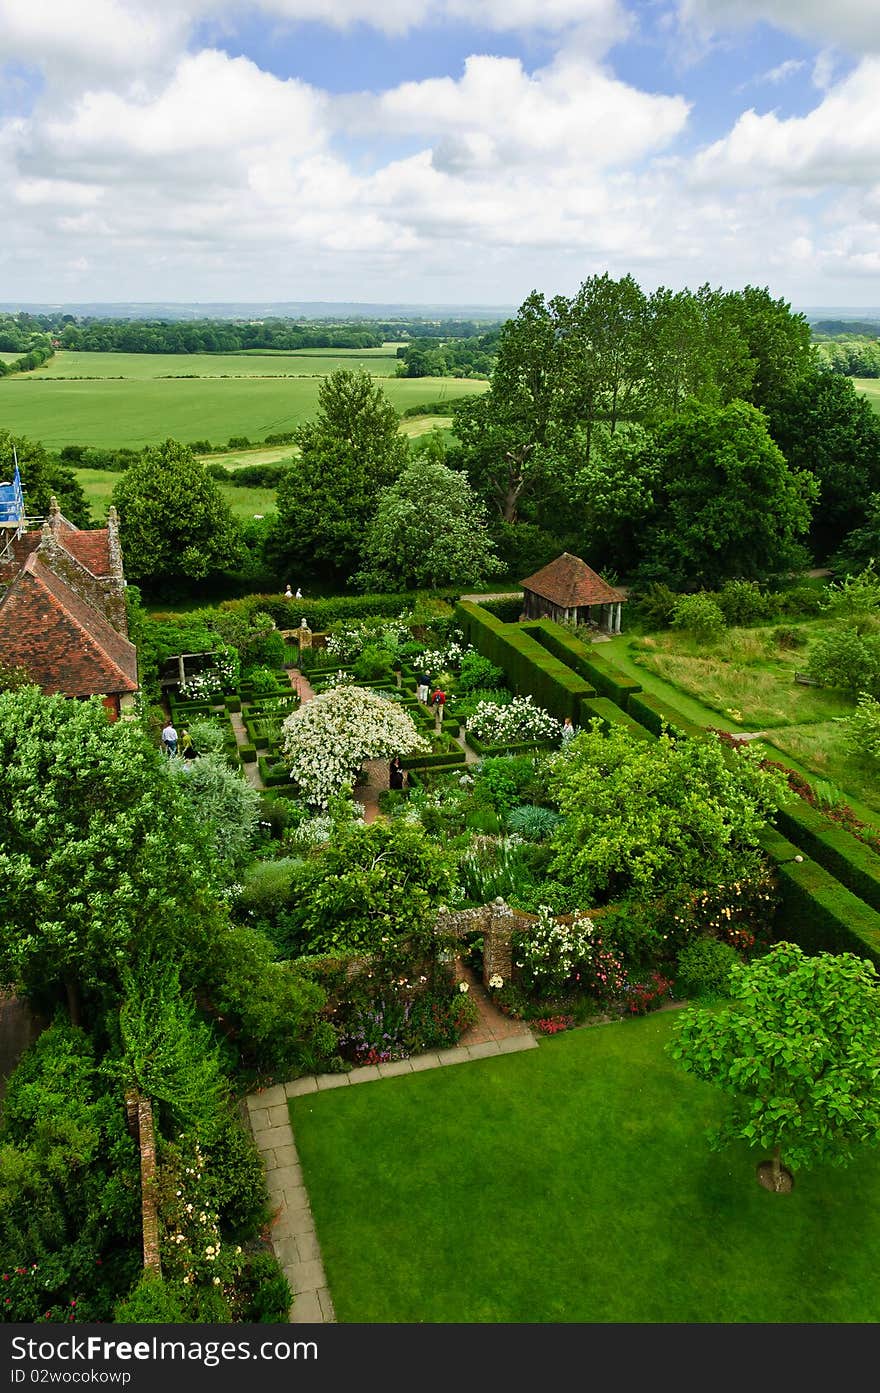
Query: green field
142, 367
246, 503
142, 411
573, 1183
870, 387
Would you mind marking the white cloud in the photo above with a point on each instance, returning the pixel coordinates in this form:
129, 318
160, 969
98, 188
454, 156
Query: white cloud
836, 143
497, 115
854, 24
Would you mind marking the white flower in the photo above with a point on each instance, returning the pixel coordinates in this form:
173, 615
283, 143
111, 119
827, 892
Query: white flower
520, 720
463, 987
496, 980
216, 1281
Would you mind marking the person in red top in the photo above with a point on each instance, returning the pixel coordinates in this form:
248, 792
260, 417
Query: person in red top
438, 698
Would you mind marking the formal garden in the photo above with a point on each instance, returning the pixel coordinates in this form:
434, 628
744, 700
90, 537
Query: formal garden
646, 862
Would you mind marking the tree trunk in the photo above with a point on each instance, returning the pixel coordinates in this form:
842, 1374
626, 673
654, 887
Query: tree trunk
777, 1168
73, 1001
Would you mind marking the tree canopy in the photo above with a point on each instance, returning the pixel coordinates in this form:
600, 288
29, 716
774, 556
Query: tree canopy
797, 1051
100, 856
428, 531
43, 476
348, 454
173, 520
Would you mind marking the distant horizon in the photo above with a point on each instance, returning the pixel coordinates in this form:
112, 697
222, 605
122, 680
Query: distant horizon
382, 309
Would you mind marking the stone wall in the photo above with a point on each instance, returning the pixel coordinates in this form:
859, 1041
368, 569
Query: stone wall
139, 1112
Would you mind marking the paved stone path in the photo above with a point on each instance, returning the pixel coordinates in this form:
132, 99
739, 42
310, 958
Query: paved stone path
293, 1228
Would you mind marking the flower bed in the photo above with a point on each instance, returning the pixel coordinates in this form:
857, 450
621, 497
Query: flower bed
516, 722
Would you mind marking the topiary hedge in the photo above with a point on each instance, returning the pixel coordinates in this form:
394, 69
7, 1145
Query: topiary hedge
527, 666
853, 863
823, 916
610, 714
583, 659
655, 714
320, 612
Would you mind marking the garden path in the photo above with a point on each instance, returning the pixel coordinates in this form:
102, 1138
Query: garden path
493, 1025
251, 771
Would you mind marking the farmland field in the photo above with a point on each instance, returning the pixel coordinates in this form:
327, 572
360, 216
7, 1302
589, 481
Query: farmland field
98, 485
316, 362
869, 387
142, 410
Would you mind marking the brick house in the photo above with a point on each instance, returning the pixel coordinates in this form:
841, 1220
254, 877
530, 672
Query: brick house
567, 589
62, 611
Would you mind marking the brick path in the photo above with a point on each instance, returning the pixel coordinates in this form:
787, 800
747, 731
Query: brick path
293, 1228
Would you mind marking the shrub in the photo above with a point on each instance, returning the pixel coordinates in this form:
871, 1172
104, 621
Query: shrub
153, 1302
844, 658
533, 823
552, 957
478, 672
743, 602
518, 721
704, 967
266, 887
373, 662
789, 638
654, 605
700, 616
862, 728
642, 997
801, 601
260, 679
262, 1292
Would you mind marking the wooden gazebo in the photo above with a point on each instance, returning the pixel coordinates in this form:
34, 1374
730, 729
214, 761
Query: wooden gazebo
568, 589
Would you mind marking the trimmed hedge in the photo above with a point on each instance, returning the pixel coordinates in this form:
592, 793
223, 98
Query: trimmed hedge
507, 610
853, 863
527, 666
822, 916
583, 659
519, 747
610, 714
233, 703
777, 847
654, 714
271, 779
320, 612
247, 754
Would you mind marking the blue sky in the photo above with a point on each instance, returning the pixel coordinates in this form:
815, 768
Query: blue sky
438, 150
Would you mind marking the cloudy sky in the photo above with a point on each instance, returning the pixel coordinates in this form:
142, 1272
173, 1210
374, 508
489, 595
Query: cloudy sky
437, 150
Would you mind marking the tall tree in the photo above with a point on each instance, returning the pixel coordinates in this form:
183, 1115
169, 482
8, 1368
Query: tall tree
779, 342
822, 424
100, 856
726, 505
174, 523
428, 531
351, 451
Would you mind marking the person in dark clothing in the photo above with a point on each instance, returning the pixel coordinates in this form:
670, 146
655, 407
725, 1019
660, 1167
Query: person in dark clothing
396, 773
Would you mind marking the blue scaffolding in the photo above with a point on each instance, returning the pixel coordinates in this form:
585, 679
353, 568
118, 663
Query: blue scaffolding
12, 503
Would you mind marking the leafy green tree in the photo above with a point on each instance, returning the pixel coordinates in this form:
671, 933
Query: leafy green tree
100, 857
661, 819
170, 1053
174, 523
699, 615
845, 658
861, 546
371, 886
862, 728
726, 505
42, 477
224, 803
822, 424
779, 342
797, 1052
613, 492
348, 454
428, 531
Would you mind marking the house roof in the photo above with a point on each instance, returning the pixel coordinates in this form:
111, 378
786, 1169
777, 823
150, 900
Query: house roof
61, 641
569, 582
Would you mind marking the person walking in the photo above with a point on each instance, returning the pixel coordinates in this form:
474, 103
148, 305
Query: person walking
396, 773
567, 732
169, 740
423, 686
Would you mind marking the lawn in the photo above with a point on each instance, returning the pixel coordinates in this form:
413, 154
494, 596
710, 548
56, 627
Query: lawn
869, 387
572, 1183
98, 485
142, 410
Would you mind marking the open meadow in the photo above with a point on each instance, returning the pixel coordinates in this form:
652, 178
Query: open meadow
869, 387
246, 503
140, 399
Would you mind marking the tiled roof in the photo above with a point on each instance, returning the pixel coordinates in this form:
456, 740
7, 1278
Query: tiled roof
90, 549
570, 583
62, 642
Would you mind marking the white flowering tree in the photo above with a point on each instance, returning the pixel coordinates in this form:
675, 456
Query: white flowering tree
327, 740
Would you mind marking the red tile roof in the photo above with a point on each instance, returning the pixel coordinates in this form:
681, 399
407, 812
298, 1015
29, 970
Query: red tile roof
570, 583
63, 643
90, 549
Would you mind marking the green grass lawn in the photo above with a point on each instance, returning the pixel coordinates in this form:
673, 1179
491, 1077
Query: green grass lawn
869, 387
144, 366
146, 408
98, 485
573, 1183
